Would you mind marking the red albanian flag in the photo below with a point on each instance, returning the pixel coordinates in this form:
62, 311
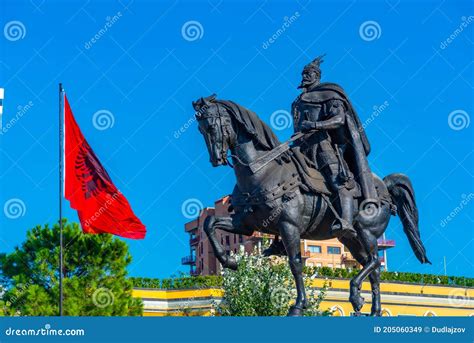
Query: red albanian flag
101, 207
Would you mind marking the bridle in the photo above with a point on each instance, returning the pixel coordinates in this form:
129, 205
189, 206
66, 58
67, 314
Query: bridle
225, 134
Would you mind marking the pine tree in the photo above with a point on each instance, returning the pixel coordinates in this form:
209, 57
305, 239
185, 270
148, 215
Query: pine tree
95, 275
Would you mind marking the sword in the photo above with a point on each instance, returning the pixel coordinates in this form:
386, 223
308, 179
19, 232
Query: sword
262, 161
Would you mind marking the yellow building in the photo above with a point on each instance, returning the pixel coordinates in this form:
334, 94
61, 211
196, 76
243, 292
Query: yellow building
398, 299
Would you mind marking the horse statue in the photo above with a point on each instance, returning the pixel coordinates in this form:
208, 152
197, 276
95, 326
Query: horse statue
279, 192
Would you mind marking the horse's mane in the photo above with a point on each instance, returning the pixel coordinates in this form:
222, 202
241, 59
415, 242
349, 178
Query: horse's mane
261, 133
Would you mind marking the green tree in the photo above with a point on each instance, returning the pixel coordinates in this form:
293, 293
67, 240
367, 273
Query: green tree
264, 287
95, 276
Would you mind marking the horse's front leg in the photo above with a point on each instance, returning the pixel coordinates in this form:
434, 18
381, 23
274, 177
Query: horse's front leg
291, 239
223, 223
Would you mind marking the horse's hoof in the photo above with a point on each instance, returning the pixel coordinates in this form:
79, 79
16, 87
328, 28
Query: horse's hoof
275, 249
231, 263
357, 302
375, 314
295, 311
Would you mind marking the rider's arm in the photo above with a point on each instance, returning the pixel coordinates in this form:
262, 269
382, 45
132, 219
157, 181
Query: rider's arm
336, 115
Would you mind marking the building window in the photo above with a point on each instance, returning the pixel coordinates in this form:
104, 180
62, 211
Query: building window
241, 239
334, 250
314, 249
201, 249
227, 240
235, 239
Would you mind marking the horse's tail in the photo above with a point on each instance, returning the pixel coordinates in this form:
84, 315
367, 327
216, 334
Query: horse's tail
403, 195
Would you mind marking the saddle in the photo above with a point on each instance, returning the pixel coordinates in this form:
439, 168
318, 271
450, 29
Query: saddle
302, 174
312, 180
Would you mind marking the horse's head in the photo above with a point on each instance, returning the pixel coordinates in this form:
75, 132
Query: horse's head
215, 124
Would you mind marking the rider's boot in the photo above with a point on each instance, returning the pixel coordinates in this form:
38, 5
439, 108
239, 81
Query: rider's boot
344, 227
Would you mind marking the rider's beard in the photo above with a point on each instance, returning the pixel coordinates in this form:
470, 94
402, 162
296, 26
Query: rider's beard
307, 84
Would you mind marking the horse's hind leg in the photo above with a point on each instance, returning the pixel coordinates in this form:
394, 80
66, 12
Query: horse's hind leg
369, 243
223, 223
360, 253
374, 278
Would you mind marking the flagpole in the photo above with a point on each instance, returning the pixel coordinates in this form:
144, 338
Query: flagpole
61, 149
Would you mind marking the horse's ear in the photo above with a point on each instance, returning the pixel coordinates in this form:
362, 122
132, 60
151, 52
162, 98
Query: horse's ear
208, 100
198, 104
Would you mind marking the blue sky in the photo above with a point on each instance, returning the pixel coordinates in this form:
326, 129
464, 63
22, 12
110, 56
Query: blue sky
411, 85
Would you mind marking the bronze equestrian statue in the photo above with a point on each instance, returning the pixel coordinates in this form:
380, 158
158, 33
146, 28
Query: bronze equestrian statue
318, 188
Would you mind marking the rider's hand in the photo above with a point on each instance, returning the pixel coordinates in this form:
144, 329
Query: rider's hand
307, 126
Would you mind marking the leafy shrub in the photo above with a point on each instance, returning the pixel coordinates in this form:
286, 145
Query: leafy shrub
263, 287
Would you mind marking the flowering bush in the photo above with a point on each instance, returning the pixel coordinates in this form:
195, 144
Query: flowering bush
263, 287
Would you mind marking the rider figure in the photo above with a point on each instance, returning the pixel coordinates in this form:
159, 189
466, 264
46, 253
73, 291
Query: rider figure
337, 143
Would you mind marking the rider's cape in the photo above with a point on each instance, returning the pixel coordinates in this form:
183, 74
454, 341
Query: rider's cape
357, 142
